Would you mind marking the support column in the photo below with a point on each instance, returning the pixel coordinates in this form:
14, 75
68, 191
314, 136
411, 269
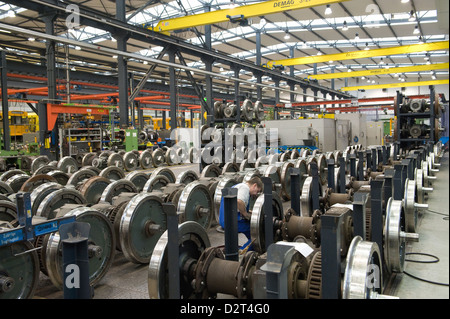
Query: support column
258, 62
122, 66
237, 70
50, 55
208, 67
5, 106
173, 91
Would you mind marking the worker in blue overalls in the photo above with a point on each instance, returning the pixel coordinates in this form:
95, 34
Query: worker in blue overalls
251, 188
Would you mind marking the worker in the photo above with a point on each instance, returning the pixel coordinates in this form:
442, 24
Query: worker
248, 189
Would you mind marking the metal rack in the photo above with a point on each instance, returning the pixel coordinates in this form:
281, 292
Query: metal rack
407, 119
86, 140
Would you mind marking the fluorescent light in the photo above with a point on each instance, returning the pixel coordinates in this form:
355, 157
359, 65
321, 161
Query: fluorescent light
405, 1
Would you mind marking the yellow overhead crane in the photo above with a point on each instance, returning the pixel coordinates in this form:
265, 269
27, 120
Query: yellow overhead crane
237, 14
394, 85
405, 49
373, 72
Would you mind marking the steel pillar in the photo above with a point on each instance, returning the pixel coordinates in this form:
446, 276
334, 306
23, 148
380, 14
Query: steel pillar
5, 106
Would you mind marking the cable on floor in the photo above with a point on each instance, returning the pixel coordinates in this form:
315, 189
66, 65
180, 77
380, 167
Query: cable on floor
435, 212
436, 260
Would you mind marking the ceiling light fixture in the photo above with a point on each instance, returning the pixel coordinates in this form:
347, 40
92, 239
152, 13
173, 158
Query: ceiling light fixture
411, 16
356, 37
287, 36
416, 30
328, 10
345, 26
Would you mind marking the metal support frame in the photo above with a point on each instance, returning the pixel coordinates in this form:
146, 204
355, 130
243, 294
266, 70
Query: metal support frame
359, 213
268, 211
173, 250
353, 165
229, 196
379, 155
368, 159
409, 164
100, 20
122, 66
5, 106
360, 176
397, 182
376, 211
386, 151
144, 79
26, 230
173, 91
341, 181
374, 160
277, 269
396, 144
315, 197
388, 183
331, 255
330, 172
74, 238
237, 101
295, 189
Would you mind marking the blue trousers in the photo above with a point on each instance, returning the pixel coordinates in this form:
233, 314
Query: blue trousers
243, 225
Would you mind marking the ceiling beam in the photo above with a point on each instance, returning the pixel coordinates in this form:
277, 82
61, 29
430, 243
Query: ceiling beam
374, 72
97, 19
237, 14
395, 85
432, 46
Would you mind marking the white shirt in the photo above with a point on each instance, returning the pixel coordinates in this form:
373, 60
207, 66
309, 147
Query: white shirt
243, 192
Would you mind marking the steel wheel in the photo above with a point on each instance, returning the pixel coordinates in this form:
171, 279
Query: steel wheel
192, 241
362, 258
19, 273
116, 188
55, 200
195, 204
141, 225
93, 188
101, 245
138, 178
257, 230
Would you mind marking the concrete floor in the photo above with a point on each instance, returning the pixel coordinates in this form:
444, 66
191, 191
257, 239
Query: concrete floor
434, 239
126, 280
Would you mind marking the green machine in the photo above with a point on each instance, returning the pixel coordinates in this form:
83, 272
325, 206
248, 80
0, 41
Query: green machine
131, 140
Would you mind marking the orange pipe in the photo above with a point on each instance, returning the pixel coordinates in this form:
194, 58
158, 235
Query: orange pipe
92, 96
